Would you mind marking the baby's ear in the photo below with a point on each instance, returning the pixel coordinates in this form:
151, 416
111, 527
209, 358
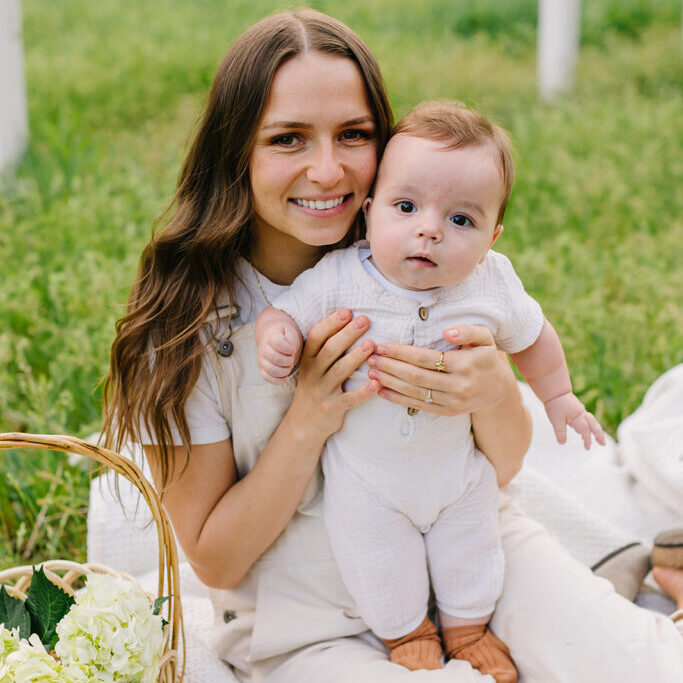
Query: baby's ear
496, 234
366, 204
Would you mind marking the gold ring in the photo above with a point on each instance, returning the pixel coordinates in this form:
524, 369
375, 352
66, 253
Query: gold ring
428, 397
440, 366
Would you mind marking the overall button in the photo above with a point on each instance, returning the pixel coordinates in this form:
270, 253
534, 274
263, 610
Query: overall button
413, 411
229, 615
423, 313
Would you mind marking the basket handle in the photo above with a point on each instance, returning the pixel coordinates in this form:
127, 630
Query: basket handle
168, 553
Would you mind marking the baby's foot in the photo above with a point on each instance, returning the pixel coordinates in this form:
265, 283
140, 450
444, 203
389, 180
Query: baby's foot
484, 651
418, 654
419, 649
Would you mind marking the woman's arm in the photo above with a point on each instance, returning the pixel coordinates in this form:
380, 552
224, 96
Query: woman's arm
225, 525
477, 379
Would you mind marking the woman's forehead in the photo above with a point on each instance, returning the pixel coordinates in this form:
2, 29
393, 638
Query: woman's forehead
316, 86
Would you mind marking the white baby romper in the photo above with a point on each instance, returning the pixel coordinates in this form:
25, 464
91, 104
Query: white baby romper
408, 498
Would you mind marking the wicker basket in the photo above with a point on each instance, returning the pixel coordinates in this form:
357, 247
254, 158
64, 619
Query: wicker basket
65, 573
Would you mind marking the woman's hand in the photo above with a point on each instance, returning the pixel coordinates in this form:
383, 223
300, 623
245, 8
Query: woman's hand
471, 379
319, 402
475, 378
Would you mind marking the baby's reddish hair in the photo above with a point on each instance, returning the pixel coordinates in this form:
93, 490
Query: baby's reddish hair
457, 126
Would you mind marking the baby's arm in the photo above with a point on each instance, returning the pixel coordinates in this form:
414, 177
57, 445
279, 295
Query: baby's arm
545, 369
279, 342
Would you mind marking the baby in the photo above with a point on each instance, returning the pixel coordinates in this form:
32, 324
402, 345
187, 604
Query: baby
408, 497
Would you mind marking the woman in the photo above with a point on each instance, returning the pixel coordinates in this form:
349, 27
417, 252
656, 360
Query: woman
282, 161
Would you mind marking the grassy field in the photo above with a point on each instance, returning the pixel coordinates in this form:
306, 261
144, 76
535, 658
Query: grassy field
594, 227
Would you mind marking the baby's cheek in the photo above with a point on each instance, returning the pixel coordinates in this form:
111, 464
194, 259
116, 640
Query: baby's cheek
387, 251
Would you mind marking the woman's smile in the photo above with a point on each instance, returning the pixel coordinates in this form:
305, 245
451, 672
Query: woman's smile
324, 207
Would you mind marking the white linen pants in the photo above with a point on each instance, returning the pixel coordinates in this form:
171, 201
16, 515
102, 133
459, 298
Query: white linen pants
561, 622
388, 545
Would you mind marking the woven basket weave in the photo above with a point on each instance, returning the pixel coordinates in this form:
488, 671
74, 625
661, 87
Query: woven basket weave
66, 573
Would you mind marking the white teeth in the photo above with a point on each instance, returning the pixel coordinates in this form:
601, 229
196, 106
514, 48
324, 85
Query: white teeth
318, 203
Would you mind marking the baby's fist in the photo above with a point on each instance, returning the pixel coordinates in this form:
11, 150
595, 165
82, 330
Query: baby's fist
568, 410
277, 352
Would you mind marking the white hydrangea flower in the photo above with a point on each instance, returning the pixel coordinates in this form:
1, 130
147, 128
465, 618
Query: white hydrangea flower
9, 641
111, 632
30, 662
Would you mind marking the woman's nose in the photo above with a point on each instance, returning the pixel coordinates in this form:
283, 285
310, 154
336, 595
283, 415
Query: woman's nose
325, 168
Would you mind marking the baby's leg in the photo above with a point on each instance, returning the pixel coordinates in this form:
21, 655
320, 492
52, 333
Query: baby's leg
381, 558
466, 565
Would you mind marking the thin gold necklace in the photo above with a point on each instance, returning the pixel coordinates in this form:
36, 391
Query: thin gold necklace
258, 282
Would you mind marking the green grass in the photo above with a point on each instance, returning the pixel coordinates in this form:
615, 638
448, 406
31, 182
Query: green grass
594, 227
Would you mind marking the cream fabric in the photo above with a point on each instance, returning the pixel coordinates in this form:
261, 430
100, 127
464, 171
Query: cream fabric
445, 532
492, 295
563, 625
412, 474
599, 500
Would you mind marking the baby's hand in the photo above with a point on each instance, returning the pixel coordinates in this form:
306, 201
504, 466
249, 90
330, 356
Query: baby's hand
278, 350
568, 410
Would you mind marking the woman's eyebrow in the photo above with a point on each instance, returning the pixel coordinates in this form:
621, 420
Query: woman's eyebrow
287, 124
307, 126
361, 119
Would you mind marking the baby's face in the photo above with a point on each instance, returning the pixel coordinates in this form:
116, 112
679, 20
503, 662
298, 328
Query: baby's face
433, 215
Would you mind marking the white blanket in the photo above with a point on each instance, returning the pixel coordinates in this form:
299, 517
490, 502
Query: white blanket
594, 502
599, 500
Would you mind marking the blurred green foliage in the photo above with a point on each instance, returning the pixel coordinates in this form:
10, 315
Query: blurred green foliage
115, 88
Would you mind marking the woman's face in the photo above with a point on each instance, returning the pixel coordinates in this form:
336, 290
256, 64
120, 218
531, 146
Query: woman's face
315, 154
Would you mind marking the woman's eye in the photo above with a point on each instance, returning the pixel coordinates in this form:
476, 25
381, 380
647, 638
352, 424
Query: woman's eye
354, 135
461, 220
406, 207
284, 140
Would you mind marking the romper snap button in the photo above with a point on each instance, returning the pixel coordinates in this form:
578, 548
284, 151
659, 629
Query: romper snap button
423, 312
229, 615
225, 348
413, 411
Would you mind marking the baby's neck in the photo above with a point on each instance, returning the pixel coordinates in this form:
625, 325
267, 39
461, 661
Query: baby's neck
417, 294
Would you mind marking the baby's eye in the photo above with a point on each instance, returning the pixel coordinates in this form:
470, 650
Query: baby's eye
406, 207
461, 220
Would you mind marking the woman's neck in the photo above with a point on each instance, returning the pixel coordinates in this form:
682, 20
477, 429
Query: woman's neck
281, 258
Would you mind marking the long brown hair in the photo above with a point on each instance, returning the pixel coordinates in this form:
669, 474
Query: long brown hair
156, 355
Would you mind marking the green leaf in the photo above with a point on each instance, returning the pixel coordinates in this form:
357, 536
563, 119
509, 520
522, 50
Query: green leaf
13, 614
156, 605
156, 608
47, 603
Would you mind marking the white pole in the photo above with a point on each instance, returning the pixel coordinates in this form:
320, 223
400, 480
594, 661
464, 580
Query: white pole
558, 46
13, 112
